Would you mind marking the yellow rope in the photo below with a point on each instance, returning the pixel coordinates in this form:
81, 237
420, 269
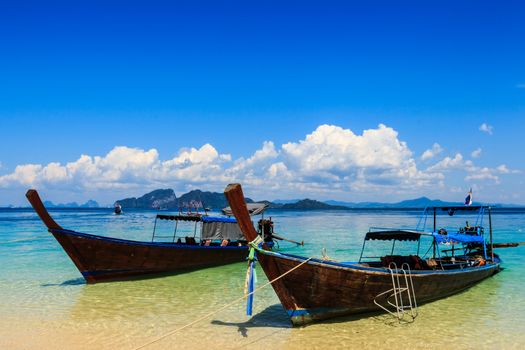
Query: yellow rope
222, 308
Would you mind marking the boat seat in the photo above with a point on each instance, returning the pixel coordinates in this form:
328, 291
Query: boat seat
432, 263
190, 240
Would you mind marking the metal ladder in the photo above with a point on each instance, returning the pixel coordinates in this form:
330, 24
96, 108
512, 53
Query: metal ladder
397, 293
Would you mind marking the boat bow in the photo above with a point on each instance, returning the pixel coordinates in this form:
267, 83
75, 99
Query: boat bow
33, 198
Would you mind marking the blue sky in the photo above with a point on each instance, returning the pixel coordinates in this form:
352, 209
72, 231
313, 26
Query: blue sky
84, 78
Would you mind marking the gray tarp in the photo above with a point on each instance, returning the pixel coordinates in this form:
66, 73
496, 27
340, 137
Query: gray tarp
222, 230
253, 209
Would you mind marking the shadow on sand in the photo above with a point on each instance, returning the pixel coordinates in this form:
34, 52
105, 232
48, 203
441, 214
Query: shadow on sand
72, 282
272, 317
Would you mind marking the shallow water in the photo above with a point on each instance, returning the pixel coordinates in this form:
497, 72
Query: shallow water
44, 302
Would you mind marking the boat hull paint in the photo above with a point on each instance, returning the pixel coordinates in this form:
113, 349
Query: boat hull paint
102, 259
320, 290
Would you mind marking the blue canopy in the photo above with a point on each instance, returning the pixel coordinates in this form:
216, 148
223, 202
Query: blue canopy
453, 238
217, 219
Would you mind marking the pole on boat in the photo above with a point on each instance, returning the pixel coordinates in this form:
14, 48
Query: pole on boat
154, 228
434, 219
490, 230
434, 241
287, 240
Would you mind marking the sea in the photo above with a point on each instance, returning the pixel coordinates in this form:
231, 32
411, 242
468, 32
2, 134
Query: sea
45, 303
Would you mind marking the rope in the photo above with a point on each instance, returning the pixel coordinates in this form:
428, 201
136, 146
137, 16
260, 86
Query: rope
222, 308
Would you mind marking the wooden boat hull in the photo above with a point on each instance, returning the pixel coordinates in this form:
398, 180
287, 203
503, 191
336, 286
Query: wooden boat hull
101, 259
314, 289
320, 289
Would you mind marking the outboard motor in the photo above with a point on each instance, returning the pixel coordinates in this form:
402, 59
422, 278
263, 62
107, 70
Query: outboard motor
265, 228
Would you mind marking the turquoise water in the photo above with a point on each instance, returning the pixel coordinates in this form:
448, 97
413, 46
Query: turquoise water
45, 304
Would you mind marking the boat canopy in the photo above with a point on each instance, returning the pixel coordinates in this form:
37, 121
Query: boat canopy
213, 227
398, 235
218, 219
410, 235
253, 209
179, 217
459, 208
203, 218
454, 238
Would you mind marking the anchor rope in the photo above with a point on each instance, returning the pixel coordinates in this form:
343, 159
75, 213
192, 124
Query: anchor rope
223, 307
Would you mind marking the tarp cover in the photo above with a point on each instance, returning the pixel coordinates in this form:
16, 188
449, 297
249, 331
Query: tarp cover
221, 230
253, 209
453, 238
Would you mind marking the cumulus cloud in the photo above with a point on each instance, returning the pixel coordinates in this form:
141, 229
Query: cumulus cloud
334, 149
476, 153
333, 155
329, 161
473, 171
432, 152
122, 167
486, 128
456, 162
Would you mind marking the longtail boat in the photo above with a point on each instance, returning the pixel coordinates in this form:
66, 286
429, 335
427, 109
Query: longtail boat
100, 258
312, 289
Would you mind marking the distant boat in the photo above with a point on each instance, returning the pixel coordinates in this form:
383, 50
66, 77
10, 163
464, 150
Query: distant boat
118, 209
101, 259
313, 289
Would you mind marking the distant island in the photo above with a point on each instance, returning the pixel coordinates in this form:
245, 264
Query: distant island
89, 204
167, 199
420, 202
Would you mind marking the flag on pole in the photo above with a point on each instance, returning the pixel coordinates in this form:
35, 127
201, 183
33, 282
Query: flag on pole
468, 199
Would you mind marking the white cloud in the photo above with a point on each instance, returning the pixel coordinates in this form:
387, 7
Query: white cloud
483, 174
502, 169
24, 174
122, 167
473, 172
446, 163
432, 152
486, 173
476, 153
333, 155
332, 148
486, 128
331, 161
